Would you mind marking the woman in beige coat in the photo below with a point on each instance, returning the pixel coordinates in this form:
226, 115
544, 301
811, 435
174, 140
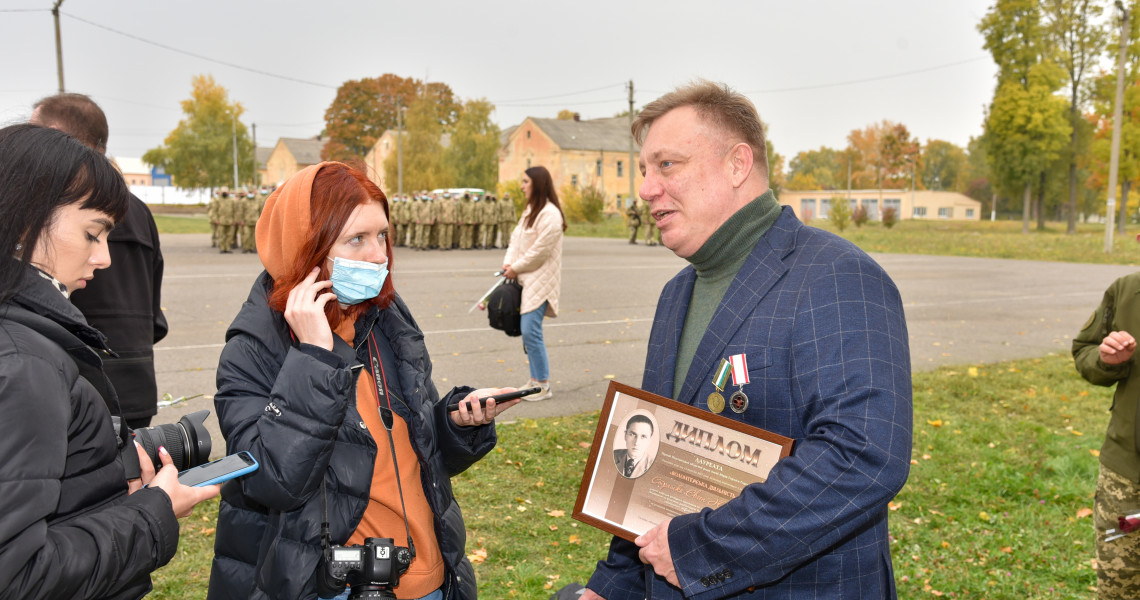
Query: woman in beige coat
534, 258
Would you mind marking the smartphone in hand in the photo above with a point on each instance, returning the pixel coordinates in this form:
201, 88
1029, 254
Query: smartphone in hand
217, 471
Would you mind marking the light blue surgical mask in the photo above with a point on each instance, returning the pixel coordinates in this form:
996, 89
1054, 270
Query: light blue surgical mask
355, 281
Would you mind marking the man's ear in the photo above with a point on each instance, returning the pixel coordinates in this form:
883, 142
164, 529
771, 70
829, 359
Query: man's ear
741, 163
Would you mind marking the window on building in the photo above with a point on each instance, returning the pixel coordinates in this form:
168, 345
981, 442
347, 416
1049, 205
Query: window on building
528, 134
872, 207
969, 213
807, 209
619, 169
824, 207
920, 212
573, 181
945, 212
598, 168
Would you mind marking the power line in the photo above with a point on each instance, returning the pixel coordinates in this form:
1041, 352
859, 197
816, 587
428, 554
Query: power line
598, 89
869, 79
199, 56
563, 104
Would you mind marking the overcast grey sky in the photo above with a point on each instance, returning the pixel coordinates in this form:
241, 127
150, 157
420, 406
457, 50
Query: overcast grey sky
816, 70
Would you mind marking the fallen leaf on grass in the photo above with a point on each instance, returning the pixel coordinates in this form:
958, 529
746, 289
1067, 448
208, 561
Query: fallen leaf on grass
984, 516
478, 556
584, 445
554, 528
208, 531
574, 539
1075, 432
935, 423
556, 513
1084, 512
1094, 452
1007, 550
972, 371
894, 505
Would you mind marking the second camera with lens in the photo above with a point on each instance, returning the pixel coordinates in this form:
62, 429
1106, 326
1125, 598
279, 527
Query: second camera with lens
372, 570
187, 442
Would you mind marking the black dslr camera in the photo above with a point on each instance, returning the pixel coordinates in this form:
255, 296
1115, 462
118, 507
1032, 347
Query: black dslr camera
187, 441
372, 569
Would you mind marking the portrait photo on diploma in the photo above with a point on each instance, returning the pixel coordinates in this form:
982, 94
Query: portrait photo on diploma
654, 458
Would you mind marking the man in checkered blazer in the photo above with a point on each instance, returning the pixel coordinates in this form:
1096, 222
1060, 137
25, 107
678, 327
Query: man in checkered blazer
813, 332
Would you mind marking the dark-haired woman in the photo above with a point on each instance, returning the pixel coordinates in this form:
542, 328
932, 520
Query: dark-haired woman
69, 525
326, 380
534, 258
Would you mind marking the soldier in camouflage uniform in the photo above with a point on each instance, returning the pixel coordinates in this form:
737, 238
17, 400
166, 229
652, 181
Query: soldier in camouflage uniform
489, 217
649, 224
633, 221
250, 212
400, 218
1103, 353
445, 221
228, 217
467, 214
507, 219
212, 216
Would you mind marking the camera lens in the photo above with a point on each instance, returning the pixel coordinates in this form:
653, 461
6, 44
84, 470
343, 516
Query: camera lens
187, 441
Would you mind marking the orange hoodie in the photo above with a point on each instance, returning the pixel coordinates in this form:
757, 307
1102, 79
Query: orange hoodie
282, 230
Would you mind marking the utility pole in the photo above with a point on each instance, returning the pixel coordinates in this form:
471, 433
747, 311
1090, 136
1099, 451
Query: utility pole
233, 119
58, 44
399, 148
1117, 116
632, 172
256, 171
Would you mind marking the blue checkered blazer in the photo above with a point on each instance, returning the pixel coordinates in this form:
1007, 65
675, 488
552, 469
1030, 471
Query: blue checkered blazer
822, 327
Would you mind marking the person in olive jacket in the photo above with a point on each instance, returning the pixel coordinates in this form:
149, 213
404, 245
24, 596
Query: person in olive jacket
1103, 352
71, 525
326, 380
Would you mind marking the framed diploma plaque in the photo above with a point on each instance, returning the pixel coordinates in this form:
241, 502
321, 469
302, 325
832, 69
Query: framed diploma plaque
654, 458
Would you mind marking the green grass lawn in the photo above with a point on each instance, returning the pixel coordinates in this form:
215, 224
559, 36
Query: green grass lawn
1003, 467
181, 223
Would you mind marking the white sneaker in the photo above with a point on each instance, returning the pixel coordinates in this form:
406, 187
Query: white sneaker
543, 395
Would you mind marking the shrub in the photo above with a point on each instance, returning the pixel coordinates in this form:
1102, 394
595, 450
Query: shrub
890, 217
860, 217
583, 204
840, 212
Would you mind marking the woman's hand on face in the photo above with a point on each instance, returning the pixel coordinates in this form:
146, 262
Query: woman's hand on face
470, 414
305, 311
182, 497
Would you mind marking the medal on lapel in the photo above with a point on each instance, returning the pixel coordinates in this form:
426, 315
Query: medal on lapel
739, 401
716, 400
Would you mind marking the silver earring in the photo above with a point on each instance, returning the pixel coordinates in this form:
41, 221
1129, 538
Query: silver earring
19, 247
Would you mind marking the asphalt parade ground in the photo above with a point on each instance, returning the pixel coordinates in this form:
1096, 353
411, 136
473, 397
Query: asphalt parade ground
960, 311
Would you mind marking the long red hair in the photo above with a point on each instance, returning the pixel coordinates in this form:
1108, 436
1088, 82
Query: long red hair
337, 190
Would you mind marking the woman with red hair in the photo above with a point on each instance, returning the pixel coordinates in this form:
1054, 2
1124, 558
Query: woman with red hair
326, 380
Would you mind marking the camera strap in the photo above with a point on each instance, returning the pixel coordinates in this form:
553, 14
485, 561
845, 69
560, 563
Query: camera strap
386, 415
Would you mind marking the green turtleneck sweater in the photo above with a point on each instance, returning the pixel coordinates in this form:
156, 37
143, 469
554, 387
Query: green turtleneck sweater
717, 262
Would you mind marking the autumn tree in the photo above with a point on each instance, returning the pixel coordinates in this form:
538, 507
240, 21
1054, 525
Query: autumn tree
943, 166
1025, 129
823, 169
423, 150
365, 108
200, 151
568, 115
976, 177
1022, 126
1073, 29
473, 155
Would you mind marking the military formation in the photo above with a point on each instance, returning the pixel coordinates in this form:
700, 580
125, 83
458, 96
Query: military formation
447, 221
233, 217
636, 217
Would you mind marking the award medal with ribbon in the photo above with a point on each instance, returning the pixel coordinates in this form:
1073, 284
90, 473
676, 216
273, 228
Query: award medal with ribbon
739, 401
716, 400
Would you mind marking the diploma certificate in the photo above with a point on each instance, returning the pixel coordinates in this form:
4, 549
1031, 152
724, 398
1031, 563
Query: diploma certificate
654, 458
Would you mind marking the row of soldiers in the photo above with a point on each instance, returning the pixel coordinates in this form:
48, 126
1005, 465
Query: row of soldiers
234, 215
636, 216
446, 221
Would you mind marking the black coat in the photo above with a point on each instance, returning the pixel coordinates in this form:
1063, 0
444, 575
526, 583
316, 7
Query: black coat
68, 529
294, 408
124, 302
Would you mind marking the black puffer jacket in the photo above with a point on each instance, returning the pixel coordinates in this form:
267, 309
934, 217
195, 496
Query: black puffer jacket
68, 529
294, 408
